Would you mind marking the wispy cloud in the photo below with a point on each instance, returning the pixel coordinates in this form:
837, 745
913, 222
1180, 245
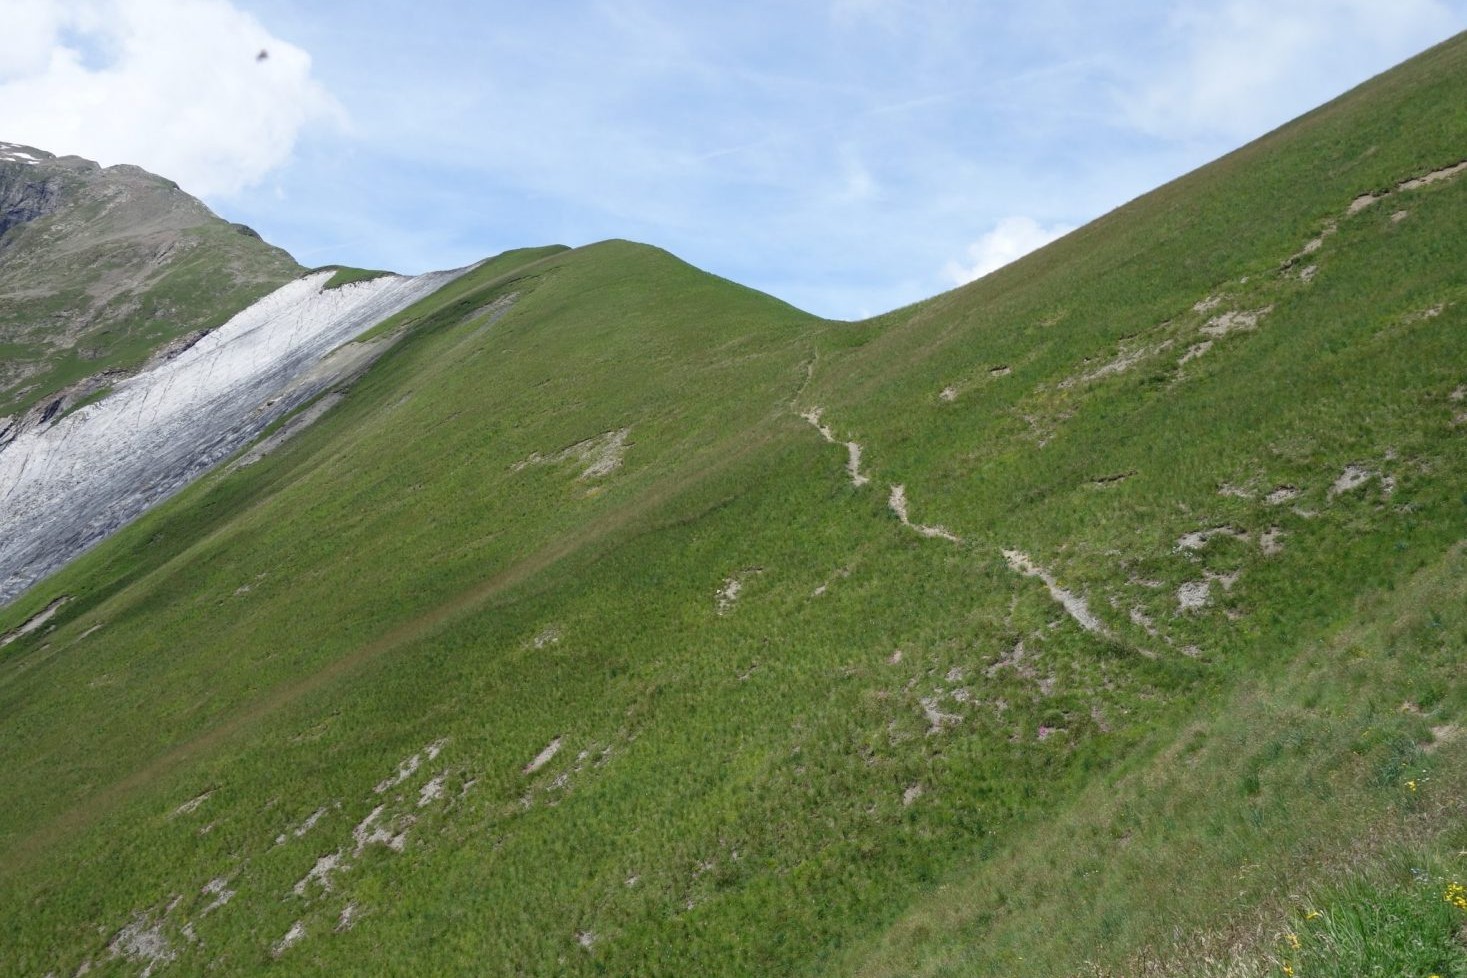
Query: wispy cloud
1243, 66
1011, 239
846, 155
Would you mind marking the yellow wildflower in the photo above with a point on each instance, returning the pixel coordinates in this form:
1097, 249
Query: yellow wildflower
1293, 940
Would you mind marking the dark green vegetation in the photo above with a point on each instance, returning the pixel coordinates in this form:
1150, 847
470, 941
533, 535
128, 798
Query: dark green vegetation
565, 644
99, 268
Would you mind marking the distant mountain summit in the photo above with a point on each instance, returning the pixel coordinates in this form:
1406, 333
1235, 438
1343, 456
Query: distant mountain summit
103, 267
143, 339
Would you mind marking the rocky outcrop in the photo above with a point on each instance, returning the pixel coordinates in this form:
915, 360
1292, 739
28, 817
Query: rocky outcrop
101, 265
66, 485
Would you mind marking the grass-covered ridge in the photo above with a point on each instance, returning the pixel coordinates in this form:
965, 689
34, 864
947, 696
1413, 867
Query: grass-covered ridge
345, 275
583, 635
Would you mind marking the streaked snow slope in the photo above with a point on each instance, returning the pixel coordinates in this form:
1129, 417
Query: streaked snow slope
65, 487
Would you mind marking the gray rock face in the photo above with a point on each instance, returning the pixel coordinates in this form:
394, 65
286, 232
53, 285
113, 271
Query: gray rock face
22, 200
67, 485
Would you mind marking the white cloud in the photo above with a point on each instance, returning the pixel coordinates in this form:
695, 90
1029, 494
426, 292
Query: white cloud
171, 85
1011, 239
1244, 66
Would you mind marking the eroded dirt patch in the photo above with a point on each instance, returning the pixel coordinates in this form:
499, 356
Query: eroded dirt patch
601, 455
1238, 320
853, 450
1075, 606
1352, 478
143, 940
36, 621
544, 757
898, 503
1435, 176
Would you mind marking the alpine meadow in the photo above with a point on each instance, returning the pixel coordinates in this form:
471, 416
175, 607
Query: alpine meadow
588, 614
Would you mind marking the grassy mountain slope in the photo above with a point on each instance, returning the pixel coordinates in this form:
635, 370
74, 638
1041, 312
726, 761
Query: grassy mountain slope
573, 640
100, 267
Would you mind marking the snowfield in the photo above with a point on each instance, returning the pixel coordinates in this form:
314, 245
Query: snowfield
65, 487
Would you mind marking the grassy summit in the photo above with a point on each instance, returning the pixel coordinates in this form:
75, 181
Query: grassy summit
1106, 614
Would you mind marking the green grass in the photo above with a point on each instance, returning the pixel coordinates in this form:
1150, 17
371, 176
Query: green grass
763, 785
347, 276
1403, 924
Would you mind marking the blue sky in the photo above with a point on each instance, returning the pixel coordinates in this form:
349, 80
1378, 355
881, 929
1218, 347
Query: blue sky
848, 156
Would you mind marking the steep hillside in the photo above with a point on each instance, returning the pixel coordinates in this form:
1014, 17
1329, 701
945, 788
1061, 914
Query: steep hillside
66, 484
99, 269
1104, 616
